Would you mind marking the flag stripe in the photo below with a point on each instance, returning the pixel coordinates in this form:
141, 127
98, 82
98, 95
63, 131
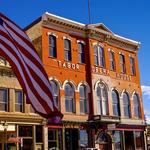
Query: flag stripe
17, 48
28, 76
20, 72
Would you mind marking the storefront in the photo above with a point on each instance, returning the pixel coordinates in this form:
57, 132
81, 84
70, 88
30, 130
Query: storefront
25, 137
70, 136
123, 137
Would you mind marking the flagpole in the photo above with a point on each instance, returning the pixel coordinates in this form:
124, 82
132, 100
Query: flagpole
89, 12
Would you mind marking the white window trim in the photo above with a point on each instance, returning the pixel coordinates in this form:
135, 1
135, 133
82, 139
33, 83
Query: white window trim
51, 33
81, 41
66, 38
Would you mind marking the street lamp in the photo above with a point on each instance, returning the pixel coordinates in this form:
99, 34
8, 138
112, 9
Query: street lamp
5, 126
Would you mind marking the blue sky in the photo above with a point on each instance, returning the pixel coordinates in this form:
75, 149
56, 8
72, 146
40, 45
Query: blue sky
128, 18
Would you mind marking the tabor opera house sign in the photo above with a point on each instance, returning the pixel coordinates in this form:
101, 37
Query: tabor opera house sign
68, 65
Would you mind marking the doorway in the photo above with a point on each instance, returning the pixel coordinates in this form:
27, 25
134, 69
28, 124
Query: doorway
71, 139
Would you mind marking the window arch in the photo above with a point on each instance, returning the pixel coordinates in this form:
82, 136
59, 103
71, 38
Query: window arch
55, 92
126, 104
136, 106
102, 99
99, 59
67, 49
52, 46
83, 99
115, 103
81, 53
69, 98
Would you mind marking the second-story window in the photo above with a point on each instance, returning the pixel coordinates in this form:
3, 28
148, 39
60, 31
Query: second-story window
115, 103
18, 101
132, 66
126, 105
3, 99
83, 99
55, 92
52, 46
99, 59
81, 54
112, 60
102, 101
67, 49
122, 64
136, 106
69, 98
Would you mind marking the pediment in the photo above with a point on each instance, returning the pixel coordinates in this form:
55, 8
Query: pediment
101, 26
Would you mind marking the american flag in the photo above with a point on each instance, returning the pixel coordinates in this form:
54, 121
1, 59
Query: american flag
19, 51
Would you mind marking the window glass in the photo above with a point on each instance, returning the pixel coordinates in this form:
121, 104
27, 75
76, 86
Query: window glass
67, 49
83, 99
18, 101
139, 140
132, 66
25, 131
69, 98
52, 46
102, 99
3, 100
122, 64
81, 54
118, 140
126, 105
55, 92
112, 60
115, 103
39, 134
83, 139
136, 106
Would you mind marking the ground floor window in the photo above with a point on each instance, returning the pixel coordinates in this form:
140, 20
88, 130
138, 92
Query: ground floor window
118, 140
55, 139
139, 140
83, 139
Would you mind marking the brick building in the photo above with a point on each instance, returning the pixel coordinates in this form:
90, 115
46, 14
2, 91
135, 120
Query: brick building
96, 84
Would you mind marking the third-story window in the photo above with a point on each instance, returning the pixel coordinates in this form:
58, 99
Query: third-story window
102, 101
112, 60
55, 92
18, 101
115, 103
69, 98
136, 106
132, 66
67, 49
52, 46
99, 59
126, 105
83, 99
81, 54
3, 99
122, 64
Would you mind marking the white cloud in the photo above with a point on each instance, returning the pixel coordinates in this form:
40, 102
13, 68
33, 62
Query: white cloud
146, 91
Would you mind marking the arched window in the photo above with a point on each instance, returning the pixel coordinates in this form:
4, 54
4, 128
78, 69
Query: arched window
52, 46
69, 98
126, 105
102, 101
81, 54
99, 56
67, 49
83, 99
55, 92
112, 60
136, 106
115, 103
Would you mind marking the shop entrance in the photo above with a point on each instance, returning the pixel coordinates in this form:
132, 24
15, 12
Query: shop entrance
71, 139
129, 140
104, 141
